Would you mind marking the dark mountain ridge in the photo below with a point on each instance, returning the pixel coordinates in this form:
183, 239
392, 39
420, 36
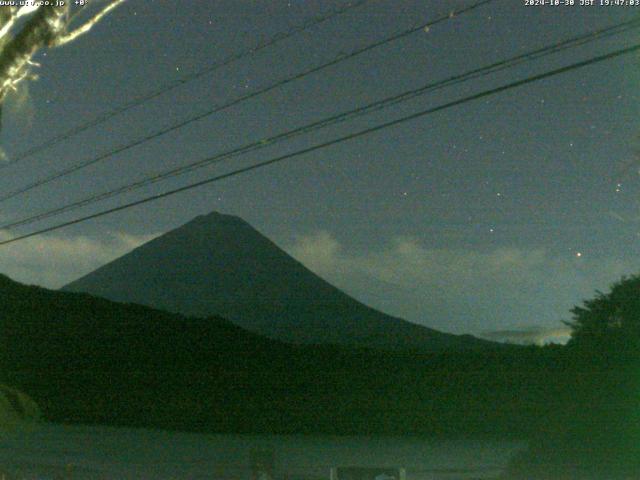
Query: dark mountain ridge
220, 265
85, 359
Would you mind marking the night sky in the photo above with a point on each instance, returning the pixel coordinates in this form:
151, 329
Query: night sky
494, 217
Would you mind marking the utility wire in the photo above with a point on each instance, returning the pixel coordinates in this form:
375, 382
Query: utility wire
372, 107
277, 38
351, 136
292, 78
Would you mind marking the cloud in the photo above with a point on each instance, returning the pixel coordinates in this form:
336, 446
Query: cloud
462, 290
52, 261
319, 252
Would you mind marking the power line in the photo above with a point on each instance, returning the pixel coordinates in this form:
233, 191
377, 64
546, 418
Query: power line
292, 78
278, 37
414, 116
372, 107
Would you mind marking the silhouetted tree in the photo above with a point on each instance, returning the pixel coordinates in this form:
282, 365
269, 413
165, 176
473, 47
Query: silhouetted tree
610, 322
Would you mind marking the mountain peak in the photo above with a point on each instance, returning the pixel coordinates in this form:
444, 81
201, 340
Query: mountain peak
215, 219
215, 216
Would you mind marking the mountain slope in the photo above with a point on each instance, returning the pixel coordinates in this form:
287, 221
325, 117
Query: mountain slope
218, 264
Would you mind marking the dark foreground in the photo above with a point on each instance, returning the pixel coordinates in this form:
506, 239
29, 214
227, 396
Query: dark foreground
84, 453
86, 360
